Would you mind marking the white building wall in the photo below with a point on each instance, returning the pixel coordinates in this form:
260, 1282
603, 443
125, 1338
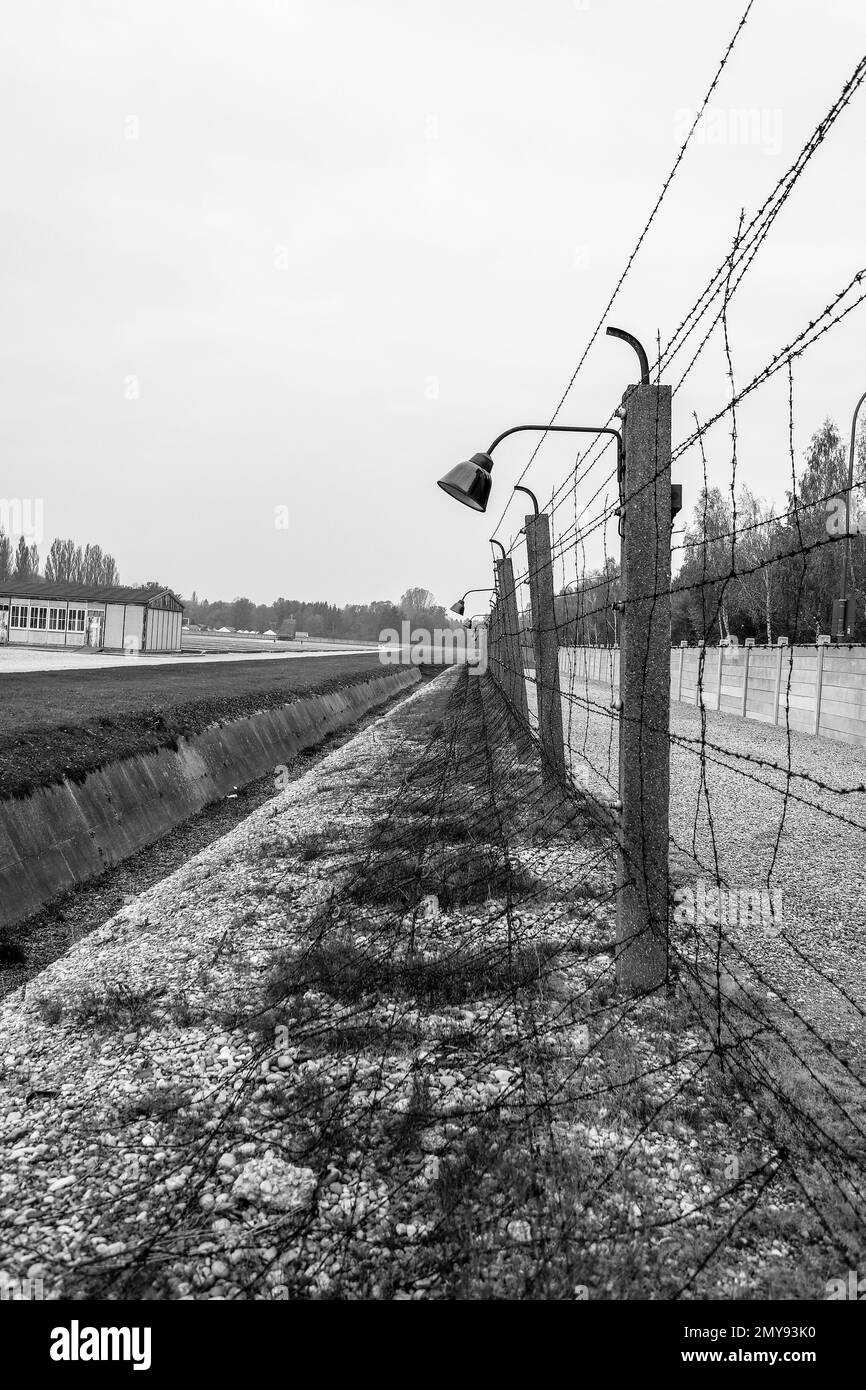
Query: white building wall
134, 625
120, 622
164, 628
114, 615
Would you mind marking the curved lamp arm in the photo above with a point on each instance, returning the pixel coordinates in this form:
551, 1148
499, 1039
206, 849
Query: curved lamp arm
641, 355
846, 550
564, 429
470, 482
519, 488
458, 606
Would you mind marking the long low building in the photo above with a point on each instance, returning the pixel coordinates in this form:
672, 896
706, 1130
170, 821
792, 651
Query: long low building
48, 613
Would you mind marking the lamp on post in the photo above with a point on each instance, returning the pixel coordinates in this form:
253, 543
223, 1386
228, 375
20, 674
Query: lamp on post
640, 818
843, 606
470, 482
460, 606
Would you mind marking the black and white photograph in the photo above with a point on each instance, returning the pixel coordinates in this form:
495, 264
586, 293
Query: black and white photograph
432, 675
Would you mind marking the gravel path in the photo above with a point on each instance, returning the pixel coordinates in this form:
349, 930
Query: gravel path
130, 1103
166, 1133
757, 807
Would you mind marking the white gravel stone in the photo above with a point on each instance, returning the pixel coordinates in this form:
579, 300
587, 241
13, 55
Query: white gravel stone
271, 1182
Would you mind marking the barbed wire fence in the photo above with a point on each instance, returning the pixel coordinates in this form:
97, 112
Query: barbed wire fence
781, 1013
593, 1074
578, 1011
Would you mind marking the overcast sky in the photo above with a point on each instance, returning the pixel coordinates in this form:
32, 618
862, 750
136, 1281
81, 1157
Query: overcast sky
274, 254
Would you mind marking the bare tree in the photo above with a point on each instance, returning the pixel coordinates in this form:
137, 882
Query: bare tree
758, 578
416, 601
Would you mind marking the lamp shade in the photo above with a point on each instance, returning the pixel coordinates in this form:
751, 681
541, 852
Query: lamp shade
459, 608
470, 482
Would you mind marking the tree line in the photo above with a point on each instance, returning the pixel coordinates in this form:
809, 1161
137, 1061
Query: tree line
90, 565
352, 621
65, 560
749, 572
743, 569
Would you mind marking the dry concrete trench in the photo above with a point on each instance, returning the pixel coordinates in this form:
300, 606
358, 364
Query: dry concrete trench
81, 1169
71, 914
65, 834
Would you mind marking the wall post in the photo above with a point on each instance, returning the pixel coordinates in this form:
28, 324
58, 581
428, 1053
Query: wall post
511, 653
819, 682
644, 733
545, 642
750, 642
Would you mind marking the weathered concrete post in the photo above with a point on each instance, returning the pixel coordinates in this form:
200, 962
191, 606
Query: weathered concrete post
819, 681
546, 646
782, 644
494, 657
749, 644
511, 653
644, 734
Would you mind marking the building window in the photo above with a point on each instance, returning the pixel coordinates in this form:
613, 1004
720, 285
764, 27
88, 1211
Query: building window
38, 617
75, 621
18, 615
57, 620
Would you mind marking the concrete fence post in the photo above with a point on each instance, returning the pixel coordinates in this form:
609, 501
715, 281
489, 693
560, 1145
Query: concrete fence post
494, 662
511, 652
546, 645
782, 644
699, 674
645, 654
719, 684
819, 682
680, 676
749, 644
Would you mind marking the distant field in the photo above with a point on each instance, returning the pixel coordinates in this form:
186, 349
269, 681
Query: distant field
227, 642
66, 723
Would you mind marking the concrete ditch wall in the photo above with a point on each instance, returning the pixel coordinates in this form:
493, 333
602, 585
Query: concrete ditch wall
69, 832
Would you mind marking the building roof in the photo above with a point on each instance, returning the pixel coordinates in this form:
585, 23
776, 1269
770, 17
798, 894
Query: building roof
65, 589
